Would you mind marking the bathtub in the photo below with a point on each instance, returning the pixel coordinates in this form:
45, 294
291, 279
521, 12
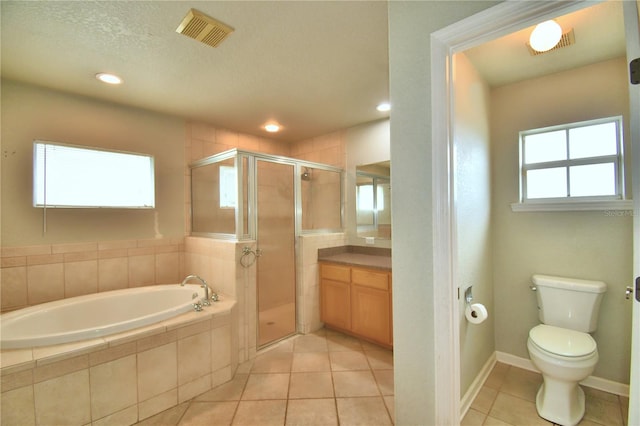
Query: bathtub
95, 315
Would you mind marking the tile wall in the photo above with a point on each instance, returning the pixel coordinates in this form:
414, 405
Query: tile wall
37, 274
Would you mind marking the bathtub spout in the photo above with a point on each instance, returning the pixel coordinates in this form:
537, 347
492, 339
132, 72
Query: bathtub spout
205, 301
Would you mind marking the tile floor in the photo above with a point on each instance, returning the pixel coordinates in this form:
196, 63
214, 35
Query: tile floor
508, 398
327, 378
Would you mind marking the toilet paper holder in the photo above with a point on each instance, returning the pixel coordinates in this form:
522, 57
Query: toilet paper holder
468, 295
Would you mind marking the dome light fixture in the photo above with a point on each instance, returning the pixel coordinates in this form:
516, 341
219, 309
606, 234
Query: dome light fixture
272, 127
108, 78
384, 107
545, 36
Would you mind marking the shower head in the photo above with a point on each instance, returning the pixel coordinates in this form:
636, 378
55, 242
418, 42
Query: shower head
306, 174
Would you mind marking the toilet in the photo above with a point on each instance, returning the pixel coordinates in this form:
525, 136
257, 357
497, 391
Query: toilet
561, 347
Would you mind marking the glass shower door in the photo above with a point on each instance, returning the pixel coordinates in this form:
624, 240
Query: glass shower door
276, 274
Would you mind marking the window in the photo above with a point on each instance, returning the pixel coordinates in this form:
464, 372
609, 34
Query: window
228, 187
572, 162
72, 176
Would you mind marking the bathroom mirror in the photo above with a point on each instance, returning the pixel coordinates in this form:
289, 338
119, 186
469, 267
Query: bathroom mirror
373, 200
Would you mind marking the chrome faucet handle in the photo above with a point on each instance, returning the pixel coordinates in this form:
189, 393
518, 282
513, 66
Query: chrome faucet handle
197, 307
215, 297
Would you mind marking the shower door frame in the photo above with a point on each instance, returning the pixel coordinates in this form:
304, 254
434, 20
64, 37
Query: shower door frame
251, 233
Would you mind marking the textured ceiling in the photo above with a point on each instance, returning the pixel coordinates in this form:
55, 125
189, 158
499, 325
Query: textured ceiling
313, 66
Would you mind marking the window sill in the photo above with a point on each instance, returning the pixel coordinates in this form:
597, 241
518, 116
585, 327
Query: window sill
566, 206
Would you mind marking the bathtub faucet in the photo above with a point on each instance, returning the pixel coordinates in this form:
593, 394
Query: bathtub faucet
204, 285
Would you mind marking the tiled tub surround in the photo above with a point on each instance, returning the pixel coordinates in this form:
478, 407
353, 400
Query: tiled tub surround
122, 378
36, 274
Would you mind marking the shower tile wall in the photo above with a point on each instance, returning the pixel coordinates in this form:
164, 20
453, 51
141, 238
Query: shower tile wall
37, 274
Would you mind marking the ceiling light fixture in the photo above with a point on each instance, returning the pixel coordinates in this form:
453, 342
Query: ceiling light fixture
545, 36
108, 78
272, 127
384, 107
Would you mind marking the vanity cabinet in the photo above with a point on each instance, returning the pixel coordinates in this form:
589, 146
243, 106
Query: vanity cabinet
357, 300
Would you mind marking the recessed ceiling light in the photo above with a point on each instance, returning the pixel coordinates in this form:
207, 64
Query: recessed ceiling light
108, 78
272, 127
384, 107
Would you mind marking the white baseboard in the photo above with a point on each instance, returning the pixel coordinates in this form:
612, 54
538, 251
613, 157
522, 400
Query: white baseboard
471, 393
591, 381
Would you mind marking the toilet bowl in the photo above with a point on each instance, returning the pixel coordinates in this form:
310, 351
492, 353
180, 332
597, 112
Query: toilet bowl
561, 347
564, 357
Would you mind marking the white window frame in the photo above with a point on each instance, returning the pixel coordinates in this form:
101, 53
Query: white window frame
608, 202
136, 191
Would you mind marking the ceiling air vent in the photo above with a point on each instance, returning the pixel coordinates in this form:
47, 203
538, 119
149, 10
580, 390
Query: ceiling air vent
203, 28
567, 39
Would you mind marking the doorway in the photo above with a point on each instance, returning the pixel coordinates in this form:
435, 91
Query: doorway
502, 19
276, 272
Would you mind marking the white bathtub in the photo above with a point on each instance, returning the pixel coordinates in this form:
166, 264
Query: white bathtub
95, 315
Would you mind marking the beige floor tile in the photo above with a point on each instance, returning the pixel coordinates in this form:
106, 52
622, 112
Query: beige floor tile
522, 383
624, 408
310, 343
586, 422
354, 383
312, 412
473, 418
310, 361
484, 400
341, 342
596, 393
348, 361
262, 413
272, 362
516, 411
602, 411
384, 378
380, 359
266, 386
230, 391
311, 385
492, 421
389, 401
209, 413
497, 376
362, 411
169, 417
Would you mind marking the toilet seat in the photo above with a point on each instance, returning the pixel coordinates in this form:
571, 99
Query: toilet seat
562, 342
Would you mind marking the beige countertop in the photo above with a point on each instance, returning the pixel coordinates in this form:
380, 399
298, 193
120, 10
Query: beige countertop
359, 259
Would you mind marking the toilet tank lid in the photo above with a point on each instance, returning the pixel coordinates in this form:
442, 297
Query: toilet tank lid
569, 283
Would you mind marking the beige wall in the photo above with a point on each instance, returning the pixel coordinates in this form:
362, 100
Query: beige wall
591, 245
30, 113
414, 329
472, 194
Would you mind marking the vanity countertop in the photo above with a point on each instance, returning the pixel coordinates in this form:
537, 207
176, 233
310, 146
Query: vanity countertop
369, 257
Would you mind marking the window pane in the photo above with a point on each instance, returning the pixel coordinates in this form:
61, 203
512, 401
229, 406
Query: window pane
70, 176
592, 180
547, 183
550, 146
593, 141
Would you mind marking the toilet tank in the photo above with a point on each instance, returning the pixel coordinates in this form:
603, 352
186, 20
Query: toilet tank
569, 302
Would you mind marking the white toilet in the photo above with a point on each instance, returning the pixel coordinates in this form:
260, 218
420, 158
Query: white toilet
561, 347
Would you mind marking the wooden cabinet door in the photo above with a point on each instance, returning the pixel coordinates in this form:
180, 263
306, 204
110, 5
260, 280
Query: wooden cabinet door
370, 313
335, 304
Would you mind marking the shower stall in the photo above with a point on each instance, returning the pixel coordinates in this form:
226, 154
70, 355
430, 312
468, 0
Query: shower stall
250, 196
